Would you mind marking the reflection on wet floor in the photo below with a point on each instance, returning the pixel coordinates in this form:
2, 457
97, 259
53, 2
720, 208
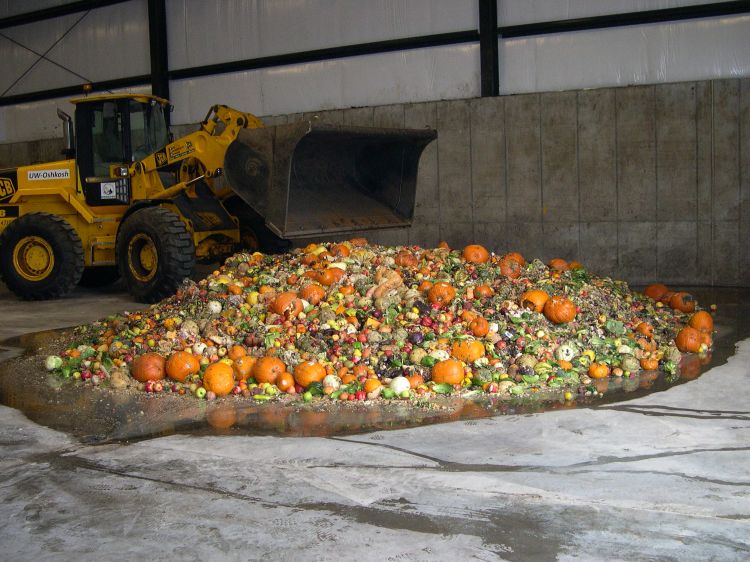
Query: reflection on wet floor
97, 415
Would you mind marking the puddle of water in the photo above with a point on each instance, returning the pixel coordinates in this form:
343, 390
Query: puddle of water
96, 415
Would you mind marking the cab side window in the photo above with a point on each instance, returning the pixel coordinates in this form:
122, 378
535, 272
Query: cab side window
107, 137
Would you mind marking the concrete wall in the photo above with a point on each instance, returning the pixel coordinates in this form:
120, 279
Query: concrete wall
643, 183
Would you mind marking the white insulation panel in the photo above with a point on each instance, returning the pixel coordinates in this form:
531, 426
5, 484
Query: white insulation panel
107, 43
691, 50
205, 32
408, 76
517, 12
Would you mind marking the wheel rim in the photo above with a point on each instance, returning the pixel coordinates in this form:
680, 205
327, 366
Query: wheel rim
143, 259
33, 258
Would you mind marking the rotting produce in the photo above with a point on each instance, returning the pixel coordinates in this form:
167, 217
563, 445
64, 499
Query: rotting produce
352, 321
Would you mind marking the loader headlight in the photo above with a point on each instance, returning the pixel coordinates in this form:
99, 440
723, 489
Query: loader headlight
121, 172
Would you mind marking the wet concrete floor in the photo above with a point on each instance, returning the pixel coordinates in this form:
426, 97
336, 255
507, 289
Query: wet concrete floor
659, 477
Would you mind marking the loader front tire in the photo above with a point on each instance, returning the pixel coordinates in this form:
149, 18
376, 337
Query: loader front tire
155, 253
41, 257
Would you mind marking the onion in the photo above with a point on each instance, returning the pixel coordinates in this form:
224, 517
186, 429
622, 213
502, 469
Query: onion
399, 384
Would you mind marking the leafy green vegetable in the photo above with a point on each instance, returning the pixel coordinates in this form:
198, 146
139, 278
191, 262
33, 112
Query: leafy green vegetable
615, 327
443, 388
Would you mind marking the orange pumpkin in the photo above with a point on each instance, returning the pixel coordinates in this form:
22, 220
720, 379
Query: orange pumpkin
347, 378
575, 264
479, 327
406, 259
509, 267
448, 371
558, 264
267, 369
347, 290
236, 351
688, 340
655, 291
219, 378
243, 367
358, 242
649, 363
313, 293
287, 303
684, 302
475, 253
340, 250
468, 350
181, 365
308, 372
148, 367
702, 321
285, 381
483, 291
598, 371
441, 293
425, 286
330, 275
415, 380
443, 245
534, 300
645, 329
559, 310
372, 384
666, 297
515, 256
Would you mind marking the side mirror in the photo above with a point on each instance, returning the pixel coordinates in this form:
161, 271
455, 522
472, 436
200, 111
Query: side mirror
68, 136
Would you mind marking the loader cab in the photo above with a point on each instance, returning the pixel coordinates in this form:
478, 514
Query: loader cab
112, 132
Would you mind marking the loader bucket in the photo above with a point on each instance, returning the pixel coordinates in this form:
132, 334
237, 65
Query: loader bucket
307, 179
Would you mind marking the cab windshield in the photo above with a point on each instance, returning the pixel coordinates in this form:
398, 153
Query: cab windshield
148, 129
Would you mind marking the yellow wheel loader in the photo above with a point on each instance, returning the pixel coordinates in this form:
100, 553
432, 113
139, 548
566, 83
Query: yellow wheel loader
130, 201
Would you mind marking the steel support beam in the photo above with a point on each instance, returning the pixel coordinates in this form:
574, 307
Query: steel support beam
488, 56
56, 12
682, 13
157, 39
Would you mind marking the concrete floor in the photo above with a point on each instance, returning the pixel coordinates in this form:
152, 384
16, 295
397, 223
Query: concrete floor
663, 477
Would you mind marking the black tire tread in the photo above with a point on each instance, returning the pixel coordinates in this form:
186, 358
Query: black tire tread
71, 269
176, 256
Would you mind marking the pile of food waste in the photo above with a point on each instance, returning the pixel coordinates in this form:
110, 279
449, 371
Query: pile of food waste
353, 321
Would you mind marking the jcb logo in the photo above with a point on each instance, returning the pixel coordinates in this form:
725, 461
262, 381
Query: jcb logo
6, 188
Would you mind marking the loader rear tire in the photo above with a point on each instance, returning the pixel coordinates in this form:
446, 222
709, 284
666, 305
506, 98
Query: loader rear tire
155, 253
41, 257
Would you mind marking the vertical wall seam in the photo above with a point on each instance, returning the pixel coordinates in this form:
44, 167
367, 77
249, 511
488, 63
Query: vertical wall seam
507, 187
656, 173
437, 170
711, 187
541, 170
579, 251
617, 185
697, 180
739, 181
471, 174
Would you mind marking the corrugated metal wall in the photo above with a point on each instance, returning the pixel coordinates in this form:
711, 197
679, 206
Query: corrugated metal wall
112, 42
